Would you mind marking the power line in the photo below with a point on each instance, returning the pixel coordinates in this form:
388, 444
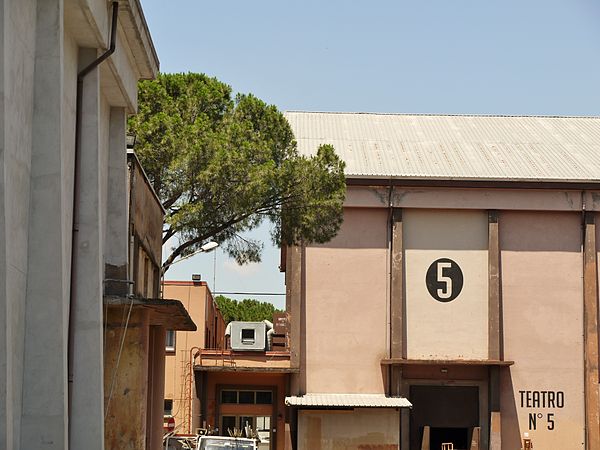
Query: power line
248, 293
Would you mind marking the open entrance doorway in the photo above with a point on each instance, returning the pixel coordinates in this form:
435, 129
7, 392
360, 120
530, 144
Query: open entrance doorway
450, 412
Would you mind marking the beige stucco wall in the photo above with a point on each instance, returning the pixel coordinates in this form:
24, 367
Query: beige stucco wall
455, 329
359, 429
193, 298
542, 294
347, 307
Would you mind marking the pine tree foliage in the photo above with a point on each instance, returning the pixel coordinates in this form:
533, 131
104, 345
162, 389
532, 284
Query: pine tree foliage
222, 164
247, 310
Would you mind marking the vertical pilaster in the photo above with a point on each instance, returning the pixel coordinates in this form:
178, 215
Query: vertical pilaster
494, 301
44, 390
86, 415
397, 288
294, 300
590, 333
156, 389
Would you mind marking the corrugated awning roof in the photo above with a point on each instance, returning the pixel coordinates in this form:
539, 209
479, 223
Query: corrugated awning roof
348, 401
446, 147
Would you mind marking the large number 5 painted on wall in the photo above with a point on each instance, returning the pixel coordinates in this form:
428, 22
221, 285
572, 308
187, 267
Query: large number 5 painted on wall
444, 280
446, 292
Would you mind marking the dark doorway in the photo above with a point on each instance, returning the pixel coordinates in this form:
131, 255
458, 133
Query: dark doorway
458, 436
451, 412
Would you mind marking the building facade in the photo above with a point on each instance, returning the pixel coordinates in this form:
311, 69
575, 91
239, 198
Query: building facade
464, 279
136, 318
69, 79
181, 400
209, 386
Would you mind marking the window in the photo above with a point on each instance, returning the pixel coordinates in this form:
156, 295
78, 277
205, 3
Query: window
247, 336
168, 407
231, 396
170, 341
246, 397
264, 397
228, 423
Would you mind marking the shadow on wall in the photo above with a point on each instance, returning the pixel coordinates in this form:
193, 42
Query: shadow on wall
511, 434
540, 231
362, 228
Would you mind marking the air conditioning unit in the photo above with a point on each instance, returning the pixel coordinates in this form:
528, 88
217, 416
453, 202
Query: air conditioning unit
248, 336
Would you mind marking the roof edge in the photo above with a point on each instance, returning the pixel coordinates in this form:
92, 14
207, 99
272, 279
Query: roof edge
372, 113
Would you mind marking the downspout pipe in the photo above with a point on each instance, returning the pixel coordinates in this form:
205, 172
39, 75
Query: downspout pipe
76, 192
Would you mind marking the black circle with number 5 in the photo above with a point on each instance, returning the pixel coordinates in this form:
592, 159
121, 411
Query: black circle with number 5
444, 280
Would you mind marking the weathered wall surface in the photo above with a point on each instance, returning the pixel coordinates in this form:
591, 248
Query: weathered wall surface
347, 306
542, 394
361, 429
126, 375
147, 215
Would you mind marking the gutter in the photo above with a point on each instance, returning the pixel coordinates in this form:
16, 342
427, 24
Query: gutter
76, 193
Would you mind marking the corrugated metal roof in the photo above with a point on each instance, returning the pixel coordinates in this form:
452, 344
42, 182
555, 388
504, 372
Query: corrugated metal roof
446, 147
348, 401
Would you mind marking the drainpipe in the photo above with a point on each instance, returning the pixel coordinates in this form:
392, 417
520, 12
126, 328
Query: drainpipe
76, 188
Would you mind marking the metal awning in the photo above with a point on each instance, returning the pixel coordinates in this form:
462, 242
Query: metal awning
348, 401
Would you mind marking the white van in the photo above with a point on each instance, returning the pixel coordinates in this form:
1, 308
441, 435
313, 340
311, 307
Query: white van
225, 443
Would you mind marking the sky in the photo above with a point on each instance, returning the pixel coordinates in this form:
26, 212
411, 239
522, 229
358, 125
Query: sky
514, 57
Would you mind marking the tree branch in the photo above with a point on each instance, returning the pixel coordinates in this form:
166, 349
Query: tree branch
168, 235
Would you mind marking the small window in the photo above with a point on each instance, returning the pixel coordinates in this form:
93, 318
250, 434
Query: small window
247, 335
229, 423
247, 397
246, 421
170, 341
168, 407
229, 397
264, 397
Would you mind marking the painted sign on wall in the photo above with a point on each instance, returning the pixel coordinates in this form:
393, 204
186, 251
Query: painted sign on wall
541, 408
444, 279
446, 283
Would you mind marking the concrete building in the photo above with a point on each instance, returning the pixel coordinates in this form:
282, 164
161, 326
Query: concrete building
136, 319
208, 385
181, 401
464, 279
62, 231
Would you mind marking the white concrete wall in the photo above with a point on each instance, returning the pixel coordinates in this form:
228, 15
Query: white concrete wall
17, 46
40, 42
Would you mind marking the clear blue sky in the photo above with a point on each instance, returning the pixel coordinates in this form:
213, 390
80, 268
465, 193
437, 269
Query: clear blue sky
429, 56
